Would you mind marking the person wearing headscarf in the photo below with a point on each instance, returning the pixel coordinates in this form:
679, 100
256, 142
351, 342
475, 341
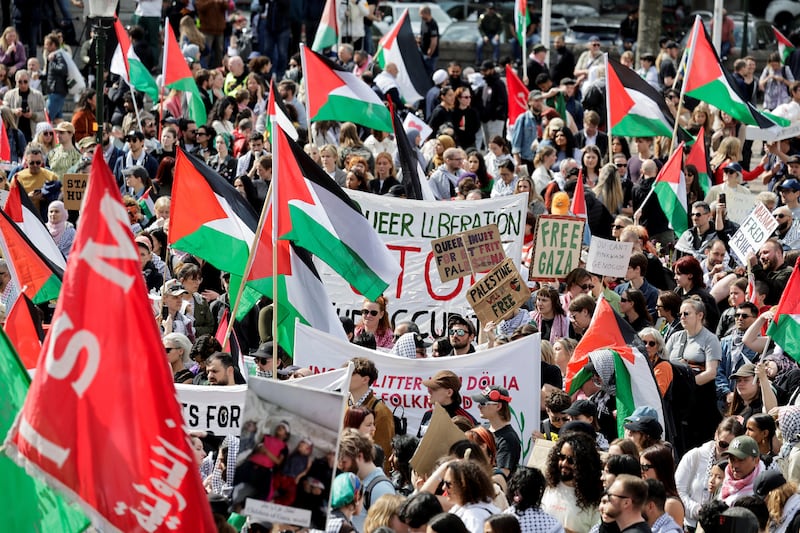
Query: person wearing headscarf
788, 458
410, 345
60, 228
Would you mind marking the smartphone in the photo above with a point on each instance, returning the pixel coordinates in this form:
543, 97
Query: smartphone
164, 313
722, 198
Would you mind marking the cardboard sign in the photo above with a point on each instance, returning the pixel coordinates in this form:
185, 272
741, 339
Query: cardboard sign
469, 252
557, 247
442, 433
541, 449
497, 293
608, 258
274, 513
753, 233
74, 187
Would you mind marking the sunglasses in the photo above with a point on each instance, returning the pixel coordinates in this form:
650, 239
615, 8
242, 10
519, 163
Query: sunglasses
622, 165
50, 133
447, 484
624, 300
651, 344
698, 214
35, 163
370, 312
617, 226
587, 286
570, 460
742, 315
780, 216
460, 332
169, 349
685, 313
261, 360
646, 467
556, 418
723, 445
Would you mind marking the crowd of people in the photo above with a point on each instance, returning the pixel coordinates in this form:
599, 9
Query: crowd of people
715, 457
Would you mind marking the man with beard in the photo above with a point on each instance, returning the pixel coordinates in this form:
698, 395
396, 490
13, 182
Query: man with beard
770, 268
788, 231
562, 61
221, 370
461, 333
714, 264
626, 498
573, 482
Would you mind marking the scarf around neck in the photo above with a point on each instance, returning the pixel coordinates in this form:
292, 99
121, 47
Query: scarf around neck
739, 487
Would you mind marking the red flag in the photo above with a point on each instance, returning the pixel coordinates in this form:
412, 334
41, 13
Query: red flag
578, 198
221, 330
517, 95
5, 147
114, 443
23, 332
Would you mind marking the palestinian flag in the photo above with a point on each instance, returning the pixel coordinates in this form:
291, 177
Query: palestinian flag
410, 169
147, 205
35, 276
708, 81
177, 75
785, 46
22, 211
635, 108
25, 333
517, 96
328, 29
610, 341
278, 113
784, 328
670, 188
522, 19
129, 67
209, 218
698, 157
399, 46
316, 214
337, 94
35, 506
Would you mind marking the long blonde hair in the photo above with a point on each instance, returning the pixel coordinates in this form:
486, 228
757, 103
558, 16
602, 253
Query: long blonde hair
609, 188
730, 148
3, 40
189, 30
777, 498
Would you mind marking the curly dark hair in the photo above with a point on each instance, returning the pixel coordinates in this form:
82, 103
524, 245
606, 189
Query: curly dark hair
708, 515
526, 488
471, 481
588, 487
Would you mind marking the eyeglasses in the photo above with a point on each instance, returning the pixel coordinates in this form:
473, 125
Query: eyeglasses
651, 344
170, 348
594, 45
370, 312
569, 459
645, 467
261, 360
621, 165
50, 133
22, 81
742, 315
191, 131
587, 286
465, 96
556, 418
447, 484
484, 403
698, 214
659, 306
204, 134
617, 226
459, 332
35, 163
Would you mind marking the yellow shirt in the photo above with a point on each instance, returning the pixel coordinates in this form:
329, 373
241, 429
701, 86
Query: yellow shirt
32, 182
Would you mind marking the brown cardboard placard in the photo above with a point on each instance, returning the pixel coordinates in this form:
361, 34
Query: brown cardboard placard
498, 292
441, 434
484, 247
451, 257
541, 449
74, 189
557, 247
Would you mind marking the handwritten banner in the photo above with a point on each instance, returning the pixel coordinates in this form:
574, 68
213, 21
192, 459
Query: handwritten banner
215, 409
74, 187
556, 248
753, 233
498, 293
608, 258
469, 252
515, 366
408, 228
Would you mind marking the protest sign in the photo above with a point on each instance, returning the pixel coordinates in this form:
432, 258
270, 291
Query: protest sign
413, 122
514, 366
498, 293
469, 252
279, 416
738, 204
74, 187
540, 452
215, 409
276, 514
408, 227
556, 247
441, 434
608, 258
753, 233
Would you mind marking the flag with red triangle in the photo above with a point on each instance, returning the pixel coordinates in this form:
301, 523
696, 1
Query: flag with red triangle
698, 156
709, 81
785, 46
328, 30
126, 64
177, 75
670, 188
137, 472
784, 328
339, 95
399, 46
635, 108
25, 333
22, 211
517, 96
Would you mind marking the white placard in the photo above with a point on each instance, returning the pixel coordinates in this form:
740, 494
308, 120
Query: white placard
753, 233
608, 258
215, 409
274, 513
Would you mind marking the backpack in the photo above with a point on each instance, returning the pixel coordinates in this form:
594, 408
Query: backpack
400, 422
367, 493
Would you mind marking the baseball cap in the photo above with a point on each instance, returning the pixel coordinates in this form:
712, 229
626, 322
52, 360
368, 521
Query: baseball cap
134, 135
569, 81
86, 143
264, 350
791, 184
747, 370
767, 481
493, 393
174, 288
733, 165
144, 241
65, 126
344, 489
644, 424
594, 39
741, 447
396, 191
582, 407
793, 160
444, 379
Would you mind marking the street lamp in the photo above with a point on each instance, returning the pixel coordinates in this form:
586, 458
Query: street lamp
102, 13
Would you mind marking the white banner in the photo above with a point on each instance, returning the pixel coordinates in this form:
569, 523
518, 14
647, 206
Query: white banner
408, 227
215, 409
608, 258
515, 366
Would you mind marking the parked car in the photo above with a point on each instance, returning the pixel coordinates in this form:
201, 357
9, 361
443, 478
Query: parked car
760, 35
606, 27
391, 11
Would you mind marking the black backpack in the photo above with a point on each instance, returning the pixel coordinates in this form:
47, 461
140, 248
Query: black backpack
400, 421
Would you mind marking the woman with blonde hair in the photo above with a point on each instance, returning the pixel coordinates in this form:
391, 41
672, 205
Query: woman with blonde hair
609, 189
350, 143
730, 151
782, 499
190, 34
535, 200
702, 116
542, 175
12, 52
384, 513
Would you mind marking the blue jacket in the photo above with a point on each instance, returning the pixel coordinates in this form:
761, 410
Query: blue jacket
723, 382
526, 131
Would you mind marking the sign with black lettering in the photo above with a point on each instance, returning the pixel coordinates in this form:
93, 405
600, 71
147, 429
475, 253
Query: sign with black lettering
215, 409
608, 258
499, 292
468, 252
557, 247
74, 188
753, 233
